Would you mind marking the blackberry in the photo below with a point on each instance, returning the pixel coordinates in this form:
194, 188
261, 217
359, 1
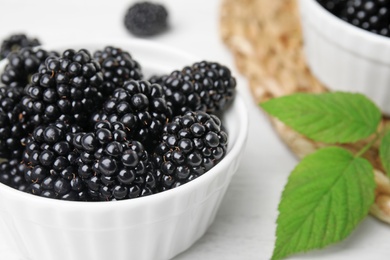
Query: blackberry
190, 146
67, 87
16, 42
13, 124
12, 174
216, 80
157, 79
333, 6
50, 159
22, 64
204, 86
117, 66
113, 167
140, 107
146, 18
373, 16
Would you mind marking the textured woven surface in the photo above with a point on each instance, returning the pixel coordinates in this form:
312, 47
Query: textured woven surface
266, 41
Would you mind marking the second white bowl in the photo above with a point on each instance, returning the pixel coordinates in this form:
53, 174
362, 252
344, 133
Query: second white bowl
345, 57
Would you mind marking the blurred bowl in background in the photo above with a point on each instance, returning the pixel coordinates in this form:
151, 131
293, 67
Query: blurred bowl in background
344, 57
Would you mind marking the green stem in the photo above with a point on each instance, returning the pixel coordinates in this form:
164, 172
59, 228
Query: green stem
373, 141
368, 146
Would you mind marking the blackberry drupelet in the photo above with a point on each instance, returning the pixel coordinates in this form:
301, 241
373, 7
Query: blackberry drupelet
204, 86
141, 108
16, 42
50, 159
146, 18
12, 174
113, 167
190, 146
373, 16
117, 66
22, 64
67, 87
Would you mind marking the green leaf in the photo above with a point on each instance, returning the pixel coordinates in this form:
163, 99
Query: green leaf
327, 195
335, 117
384, 152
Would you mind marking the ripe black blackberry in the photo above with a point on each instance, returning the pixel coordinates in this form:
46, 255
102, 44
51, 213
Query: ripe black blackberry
190, 146
16, 122
12, 174
333, 6
14, 127
181, 92
16, 42
50, 159
117, 66
140, 107
69, 86
158, 79
217, 81
22, 64
373, 16
146, 18
204, 86
113, 167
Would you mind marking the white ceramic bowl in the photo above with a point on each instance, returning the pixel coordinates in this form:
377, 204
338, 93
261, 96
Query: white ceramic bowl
345, 57
155, 227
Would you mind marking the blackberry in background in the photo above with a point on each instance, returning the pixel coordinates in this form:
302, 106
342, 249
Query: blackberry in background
204, 86
333, 6
68, 87
117, 66
373, 16
113, 167
22, 64
141, 108
190, 146
16, 42
50, 159
146, 19
156, 79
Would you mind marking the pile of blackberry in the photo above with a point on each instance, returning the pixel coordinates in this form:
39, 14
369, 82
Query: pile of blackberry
373, 15
87, 127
